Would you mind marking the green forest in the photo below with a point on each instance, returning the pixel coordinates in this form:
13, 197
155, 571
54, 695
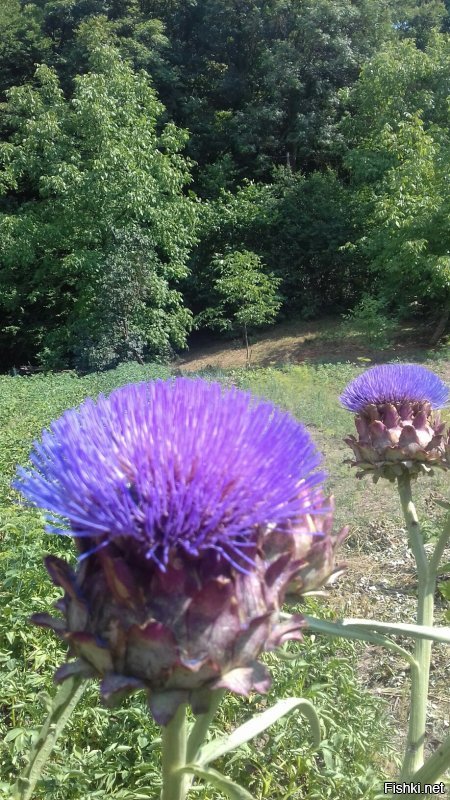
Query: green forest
177, 165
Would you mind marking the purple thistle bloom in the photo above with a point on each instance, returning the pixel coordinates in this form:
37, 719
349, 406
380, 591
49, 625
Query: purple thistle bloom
182, 466
195, 509
398, 431
395, 383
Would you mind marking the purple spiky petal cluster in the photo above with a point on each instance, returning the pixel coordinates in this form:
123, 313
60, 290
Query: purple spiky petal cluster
181, 467
399, 429
195, 509
395, 383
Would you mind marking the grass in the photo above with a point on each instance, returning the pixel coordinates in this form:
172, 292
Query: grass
116, 754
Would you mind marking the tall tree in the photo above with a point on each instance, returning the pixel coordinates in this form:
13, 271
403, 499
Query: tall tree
256, 82
94, 223
22, 43
260, 80
417, 19
400, 163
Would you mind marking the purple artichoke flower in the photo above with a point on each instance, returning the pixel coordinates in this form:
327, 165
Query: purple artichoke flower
194, 509
399, 427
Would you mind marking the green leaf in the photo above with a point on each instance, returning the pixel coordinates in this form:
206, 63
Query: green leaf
219, 781
444, 588
415, 631
257, 724
358, 634
63, 705
443, 504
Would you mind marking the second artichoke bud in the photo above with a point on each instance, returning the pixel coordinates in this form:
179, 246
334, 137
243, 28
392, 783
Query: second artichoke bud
399, 427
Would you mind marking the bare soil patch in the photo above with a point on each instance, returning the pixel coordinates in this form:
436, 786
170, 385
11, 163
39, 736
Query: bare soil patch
295, 342
380, 583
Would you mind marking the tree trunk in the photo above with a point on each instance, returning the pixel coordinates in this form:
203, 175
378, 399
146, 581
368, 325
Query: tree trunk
247, 349
440, 327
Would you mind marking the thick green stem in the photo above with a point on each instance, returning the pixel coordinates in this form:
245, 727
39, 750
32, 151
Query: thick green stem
422, 653
201, 725
435, 766
174, 757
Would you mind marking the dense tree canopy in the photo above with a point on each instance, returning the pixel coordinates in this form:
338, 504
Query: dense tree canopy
141, 141
94, 225
400, 159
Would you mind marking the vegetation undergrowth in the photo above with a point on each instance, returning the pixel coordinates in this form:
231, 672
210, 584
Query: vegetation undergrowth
116, 754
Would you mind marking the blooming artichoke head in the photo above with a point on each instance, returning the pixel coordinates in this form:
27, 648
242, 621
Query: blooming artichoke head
194, 510
398, 425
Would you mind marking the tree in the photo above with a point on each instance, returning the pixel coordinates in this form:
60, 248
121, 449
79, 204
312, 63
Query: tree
299, 225
259, 81
246, 297
95, 227
22, 43
417, 19
256, 82
400, 164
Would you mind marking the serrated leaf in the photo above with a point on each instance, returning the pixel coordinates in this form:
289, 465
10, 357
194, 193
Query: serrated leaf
219, 781
444, 589
259, 723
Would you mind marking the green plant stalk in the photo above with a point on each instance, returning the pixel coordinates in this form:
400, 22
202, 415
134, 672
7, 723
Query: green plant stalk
198, 733
201, 725
63, 704
174, 785
435, 766
414, 754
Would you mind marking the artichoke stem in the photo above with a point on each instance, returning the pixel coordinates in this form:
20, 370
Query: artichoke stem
435, 766
414, 754
201, 725
174, 757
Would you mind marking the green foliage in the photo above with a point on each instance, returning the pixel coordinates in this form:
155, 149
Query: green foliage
313, 220
23, 43
318, 140
400, 163
418, 18
299, 226
95, 227
370, 321
256, 83
262, 78
246, 296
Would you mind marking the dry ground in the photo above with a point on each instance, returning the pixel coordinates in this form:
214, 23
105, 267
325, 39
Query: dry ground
295, 342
